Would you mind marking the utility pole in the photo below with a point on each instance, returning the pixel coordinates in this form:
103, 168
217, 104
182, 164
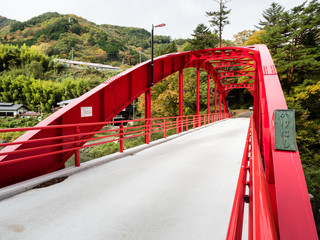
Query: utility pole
72, 54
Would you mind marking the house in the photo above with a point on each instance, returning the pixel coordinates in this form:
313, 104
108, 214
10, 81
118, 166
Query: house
31, 114
11, 109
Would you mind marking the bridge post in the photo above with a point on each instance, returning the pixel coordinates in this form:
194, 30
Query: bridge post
208, 97
187, 124
220, 104
77, 152
165, 128
181, 98
147, 114
215, 100
177, 124
198, 97
121, 138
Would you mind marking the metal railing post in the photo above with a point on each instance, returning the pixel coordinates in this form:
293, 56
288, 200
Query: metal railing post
77, 152
147, 131
187, 124
121, 138
177, 125
165, 128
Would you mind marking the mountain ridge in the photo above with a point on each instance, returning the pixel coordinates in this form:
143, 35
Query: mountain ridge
67, 35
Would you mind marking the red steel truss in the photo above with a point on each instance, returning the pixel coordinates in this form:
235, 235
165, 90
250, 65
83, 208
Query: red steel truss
279, 205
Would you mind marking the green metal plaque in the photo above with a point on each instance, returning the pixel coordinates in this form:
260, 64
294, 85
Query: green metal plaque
285, 130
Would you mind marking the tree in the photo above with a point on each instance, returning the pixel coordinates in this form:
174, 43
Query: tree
255, 38
305, 102
161, 49
172, 47
295, 45
219, 18
271, 15
203, 38
242, 36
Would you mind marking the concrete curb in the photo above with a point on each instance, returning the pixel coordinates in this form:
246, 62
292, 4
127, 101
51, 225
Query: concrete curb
24, 186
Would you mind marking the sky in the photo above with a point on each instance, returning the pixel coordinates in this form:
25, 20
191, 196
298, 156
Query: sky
180, 16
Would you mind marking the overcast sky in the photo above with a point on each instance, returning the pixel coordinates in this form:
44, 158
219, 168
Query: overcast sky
180, 16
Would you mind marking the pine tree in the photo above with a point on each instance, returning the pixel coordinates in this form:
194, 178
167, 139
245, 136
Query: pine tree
271, 15
203, 38
219, 18
295, 45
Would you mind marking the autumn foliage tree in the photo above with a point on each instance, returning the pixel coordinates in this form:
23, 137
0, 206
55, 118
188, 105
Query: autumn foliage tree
241, 37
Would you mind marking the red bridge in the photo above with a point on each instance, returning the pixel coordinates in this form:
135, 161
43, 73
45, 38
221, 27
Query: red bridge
271, 189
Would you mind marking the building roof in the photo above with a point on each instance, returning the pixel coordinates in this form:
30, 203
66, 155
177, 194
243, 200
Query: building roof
6, 103
65, 102
31, 114
10, 106
96, 65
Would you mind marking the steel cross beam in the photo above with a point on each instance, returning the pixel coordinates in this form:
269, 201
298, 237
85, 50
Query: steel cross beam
228, 87
230, 82
238, 73
233, 63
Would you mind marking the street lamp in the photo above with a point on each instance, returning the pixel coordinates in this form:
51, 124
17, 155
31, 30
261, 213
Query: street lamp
160, 25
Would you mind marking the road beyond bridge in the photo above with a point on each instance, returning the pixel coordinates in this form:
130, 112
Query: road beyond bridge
179, 189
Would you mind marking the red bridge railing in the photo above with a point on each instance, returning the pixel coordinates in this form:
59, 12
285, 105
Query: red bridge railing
276, 179
271, 181
252, 178
78, 134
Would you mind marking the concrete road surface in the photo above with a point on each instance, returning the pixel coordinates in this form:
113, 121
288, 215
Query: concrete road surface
245, 115
181, 189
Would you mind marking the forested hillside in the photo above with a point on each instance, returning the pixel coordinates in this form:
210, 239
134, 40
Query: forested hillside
59, 35
33, 79
28, 74
5, 22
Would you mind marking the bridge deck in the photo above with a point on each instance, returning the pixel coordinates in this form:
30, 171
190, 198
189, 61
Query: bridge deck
180, 189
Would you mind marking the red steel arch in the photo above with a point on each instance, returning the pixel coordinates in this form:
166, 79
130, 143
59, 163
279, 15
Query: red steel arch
289, 200
107, 100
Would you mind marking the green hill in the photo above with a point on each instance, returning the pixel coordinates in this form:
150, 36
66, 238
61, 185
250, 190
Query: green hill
4, 22
58, 35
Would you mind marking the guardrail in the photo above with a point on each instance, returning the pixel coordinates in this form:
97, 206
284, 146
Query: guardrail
77, 135
252, 178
